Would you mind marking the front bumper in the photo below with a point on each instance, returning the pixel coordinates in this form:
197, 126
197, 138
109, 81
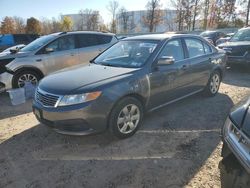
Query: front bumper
5, 81
79, 119
237, 146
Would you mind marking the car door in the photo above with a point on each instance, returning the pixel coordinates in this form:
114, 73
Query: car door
59, 54
89, 46
199, 56
169, 82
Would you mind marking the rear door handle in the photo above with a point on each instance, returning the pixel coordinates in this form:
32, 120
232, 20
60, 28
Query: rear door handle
72, 54
38, 60
184, 67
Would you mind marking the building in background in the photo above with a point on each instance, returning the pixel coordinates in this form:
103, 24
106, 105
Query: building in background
86, 20
133, 22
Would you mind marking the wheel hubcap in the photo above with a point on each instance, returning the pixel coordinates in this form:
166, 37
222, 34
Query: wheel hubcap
27, 78
128, 119
215, 83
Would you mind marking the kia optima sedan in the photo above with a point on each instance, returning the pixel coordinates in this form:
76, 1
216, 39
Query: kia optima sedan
134, 76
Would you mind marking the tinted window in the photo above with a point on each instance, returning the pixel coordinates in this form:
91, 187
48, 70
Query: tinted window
207, 48
63, 43
173, 49
86, 40
104, 39
194, 47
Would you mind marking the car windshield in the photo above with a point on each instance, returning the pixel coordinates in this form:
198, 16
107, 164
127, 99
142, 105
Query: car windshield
241, 35
36, 44
129, 54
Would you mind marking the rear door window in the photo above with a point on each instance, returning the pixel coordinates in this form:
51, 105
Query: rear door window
87, 40
194, 47
105, 39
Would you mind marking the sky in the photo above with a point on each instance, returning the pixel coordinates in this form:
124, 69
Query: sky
53, 8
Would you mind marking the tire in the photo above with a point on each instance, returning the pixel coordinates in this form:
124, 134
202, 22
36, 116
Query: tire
213, 84
125, 128
26, 75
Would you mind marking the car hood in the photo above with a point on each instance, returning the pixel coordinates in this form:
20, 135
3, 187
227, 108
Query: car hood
76, 79
14, 55
240, 116
235, 44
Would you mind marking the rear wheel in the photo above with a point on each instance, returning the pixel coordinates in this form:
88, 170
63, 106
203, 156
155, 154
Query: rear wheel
25, 76
126, 117
213, 84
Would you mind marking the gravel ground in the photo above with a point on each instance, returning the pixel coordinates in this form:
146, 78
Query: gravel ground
177, 146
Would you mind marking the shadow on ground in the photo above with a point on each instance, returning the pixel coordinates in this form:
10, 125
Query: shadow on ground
8, 110
241, 76
167, 151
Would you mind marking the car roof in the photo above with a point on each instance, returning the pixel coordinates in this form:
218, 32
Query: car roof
159, 36
83, 32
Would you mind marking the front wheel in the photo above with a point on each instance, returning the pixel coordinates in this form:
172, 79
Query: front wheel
22, 77
213, 84
126, 117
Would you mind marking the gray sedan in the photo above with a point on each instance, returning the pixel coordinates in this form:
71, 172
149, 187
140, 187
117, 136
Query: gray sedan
134, 76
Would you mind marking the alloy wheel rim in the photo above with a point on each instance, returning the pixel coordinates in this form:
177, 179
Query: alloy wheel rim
128, 119
27, 78
215, 83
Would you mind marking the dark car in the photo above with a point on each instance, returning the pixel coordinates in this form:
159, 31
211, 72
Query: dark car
236, 145
224, 39
238, 48
8, 40
134, 76
212, 36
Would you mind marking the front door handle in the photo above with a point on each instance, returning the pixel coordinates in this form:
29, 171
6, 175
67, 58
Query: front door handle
72, 54
38, 60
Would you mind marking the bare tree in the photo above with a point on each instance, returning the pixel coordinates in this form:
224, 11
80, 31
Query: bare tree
154, 15
248, 10
89, 19
178, 5
206, 10
195, 12
19, 25
112, 7
124, 18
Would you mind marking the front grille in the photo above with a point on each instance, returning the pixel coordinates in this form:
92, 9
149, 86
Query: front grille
46, 99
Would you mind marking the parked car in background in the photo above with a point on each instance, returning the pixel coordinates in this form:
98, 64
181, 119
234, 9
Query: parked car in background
224, 39
236, 140
14, 49
238, 48
51, 53
136, 75
212, 36
8, 40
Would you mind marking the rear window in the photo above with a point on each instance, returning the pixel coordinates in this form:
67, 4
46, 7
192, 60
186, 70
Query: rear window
87, 40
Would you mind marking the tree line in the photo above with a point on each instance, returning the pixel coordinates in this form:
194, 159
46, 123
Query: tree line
189, 13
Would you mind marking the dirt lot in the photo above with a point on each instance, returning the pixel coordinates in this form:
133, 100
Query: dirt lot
178, 146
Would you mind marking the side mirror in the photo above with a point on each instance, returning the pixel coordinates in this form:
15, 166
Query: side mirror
49, 50
165, 60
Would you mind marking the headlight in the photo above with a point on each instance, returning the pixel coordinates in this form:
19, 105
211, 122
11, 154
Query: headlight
77, 99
